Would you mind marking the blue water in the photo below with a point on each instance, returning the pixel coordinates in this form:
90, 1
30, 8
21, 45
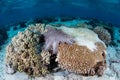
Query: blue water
15, 16
12, 11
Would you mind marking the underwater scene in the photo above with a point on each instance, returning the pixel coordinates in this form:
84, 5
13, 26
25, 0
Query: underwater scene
59, 39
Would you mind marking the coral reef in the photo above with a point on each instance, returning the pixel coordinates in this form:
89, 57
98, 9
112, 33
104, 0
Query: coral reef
83, 36
24, 53
86, 56
80, 59
38, 28
116, 36
27, 49
103, 34
53, 37
83, 25
33, 51
96, 22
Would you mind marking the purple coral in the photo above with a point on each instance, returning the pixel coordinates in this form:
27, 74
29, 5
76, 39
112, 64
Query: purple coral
53, 37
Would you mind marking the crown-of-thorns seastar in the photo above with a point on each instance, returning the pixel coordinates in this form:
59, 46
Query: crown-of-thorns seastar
53, 37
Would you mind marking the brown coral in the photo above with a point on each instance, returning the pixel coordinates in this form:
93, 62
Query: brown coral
103, 34
80, 59
24, 54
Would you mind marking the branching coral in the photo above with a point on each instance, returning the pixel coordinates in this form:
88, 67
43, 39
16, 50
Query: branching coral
103, 34
37, 28
24, 54
53, 37
80, 59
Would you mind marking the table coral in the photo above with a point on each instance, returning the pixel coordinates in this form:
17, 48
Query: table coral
86, 56
24, 53
80, 59
37, 27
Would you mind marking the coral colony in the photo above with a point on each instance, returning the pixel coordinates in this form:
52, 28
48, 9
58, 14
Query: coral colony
24, 53
40, 47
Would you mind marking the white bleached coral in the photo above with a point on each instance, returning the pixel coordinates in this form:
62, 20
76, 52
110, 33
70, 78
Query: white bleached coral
83, 36
86, 56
